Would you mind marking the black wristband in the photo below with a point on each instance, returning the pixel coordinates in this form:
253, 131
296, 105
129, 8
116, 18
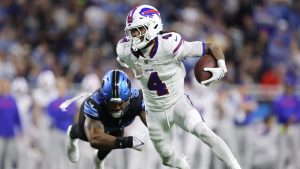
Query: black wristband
124, 142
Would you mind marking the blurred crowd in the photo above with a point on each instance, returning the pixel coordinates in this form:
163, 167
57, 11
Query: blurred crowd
51, 50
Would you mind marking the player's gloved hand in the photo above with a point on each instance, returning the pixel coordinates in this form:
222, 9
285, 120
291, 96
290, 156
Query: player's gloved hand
134, 142
138, 142
217, 73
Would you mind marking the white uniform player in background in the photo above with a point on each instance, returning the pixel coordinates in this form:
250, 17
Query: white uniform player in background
20, 90
42, 95
156, 60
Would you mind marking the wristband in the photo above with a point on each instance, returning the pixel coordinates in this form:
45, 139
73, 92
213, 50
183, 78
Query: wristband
124, 142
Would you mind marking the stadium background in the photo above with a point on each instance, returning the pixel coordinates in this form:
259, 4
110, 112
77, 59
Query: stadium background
51, 50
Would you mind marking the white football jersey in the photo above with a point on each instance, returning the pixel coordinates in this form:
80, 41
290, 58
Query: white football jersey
160, 70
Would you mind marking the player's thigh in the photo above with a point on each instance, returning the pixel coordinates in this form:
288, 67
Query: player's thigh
159, 125
186, 116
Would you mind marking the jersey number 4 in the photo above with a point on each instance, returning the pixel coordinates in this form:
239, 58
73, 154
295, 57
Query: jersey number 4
155, 84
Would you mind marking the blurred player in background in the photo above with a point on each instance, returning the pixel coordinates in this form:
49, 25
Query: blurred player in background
156, 60
9, 121
286, 107
104, 115
60, 120
43, 94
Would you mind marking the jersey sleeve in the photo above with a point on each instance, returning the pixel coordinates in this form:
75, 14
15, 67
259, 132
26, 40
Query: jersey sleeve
91, 106
123, 51
181, 49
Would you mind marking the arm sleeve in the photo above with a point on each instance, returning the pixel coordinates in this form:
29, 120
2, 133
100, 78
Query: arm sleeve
181, 49
190, 49
91, 106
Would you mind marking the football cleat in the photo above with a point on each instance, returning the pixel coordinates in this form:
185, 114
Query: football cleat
72, 147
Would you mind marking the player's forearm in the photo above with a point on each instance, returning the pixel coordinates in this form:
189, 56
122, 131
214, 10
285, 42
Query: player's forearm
108, 142
103, 142
143, 118
192, 49
215, 50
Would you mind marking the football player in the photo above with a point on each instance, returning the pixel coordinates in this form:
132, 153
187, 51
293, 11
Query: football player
156, 58
104, 115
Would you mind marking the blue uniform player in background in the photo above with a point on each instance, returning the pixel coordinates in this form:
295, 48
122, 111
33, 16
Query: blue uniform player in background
104, 115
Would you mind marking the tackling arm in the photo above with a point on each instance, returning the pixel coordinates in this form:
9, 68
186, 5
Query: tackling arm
143, 117
94, 130
98, 139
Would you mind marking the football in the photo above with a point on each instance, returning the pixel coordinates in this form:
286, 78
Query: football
205, 61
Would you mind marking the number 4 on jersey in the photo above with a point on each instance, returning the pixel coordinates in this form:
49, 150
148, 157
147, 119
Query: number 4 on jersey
155, 84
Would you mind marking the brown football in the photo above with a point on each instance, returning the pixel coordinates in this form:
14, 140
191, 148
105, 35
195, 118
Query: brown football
205, 61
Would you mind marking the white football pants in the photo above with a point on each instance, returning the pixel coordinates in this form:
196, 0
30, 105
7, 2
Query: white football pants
183, 114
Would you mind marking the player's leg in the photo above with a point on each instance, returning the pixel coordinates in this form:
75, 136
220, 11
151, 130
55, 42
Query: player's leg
161, 134
77, 129
75, 132
99, 159
188, 118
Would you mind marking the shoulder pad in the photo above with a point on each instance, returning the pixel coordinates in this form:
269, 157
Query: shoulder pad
171, 41
90, 108
123, 47
96, 96
134, 93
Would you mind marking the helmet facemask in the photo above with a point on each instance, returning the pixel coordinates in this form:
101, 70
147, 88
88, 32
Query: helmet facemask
116, 92
117, 108
138, 36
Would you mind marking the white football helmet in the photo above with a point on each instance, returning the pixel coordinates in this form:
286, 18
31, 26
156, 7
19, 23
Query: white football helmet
143, 16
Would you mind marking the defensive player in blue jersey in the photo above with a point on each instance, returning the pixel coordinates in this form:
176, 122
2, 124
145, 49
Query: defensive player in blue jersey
104, 115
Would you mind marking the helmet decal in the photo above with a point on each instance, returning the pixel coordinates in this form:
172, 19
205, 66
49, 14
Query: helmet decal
148, 12
130, 15
116, 86
115, 81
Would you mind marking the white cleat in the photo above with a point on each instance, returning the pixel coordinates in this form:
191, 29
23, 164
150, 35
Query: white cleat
72, 147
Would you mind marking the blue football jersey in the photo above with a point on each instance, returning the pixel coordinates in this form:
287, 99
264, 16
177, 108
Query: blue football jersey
95, 108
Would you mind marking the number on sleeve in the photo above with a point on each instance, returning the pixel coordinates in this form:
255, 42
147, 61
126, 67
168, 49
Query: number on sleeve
155, 84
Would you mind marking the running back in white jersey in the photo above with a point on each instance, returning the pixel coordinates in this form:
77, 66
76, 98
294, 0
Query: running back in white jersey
160, 70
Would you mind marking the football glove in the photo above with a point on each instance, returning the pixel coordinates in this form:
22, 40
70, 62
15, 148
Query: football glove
133, 142
138, 142
217, 73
